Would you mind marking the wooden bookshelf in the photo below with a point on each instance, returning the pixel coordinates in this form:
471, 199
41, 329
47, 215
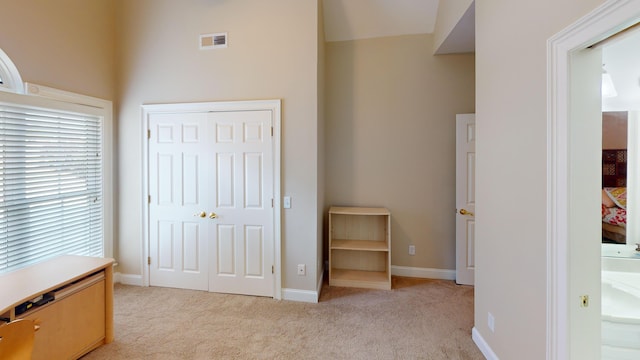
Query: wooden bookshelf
360, 247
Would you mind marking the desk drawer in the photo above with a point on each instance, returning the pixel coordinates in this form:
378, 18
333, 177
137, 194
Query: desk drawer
72, 326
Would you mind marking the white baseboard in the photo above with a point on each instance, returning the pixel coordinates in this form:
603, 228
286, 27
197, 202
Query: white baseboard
304, 295
128, 279
425, 273
287, 294
314, 296
485, 349
300, 295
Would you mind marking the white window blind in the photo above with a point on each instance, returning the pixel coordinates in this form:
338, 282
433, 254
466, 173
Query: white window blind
50, 184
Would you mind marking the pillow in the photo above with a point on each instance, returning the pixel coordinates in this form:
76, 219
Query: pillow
618, 195
606, 200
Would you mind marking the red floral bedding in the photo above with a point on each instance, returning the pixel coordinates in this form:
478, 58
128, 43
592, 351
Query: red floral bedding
614, 216
614, 203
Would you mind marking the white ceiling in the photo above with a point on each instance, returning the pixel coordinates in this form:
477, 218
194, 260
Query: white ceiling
362, 19
621, 60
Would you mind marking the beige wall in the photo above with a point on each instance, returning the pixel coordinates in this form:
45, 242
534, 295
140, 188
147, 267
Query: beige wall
511, 102
614, 130
390, 141
272, 54
321, 140
64, 44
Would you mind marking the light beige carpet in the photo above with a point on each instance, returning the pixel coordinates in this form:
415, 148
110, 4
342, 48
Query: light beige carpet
418, 319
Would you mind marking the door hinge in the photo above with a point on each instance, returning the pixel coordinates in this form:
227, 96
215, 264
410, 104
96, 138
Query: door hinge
271, 202
272, 131
148, 133
272, 270
149, 260
149, 199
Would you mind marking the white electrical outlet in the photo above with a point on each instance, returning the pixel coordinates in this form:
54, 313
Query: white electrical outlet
302, 269
491, 322
412, 249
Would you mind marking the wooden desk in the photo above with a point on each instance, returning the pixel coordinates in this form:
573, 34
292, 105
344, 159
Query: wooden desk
79, 319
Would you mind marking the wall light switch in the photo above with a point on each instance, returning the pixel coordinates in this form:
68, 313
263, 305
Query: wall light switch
287, 202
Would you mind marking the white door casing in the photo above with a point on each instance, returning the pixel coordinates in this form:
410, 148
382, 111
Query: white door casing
234, 174
465, 198
604, 21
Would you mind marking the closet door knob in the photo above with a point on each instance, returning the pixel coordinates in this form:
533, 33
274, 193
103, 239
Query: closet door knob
465, 212
213, 216
201, 214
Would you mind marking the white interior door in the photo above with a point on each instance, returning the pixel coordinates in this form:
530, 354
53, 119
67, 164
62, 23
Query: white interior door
584, 194
178, 191
242, 257
211, 215
465, 198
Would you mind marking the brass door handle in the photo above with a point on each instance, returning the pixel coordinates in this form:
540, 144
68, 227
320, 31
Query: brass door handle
201, 214
465, 212
213, 216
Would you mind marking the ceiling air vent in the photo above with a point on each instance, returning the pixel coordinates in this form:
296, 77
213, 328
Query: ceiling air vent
213, 41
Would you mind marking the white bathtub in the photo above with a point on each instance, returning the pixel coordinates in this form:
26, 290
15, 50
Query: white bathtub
621, 309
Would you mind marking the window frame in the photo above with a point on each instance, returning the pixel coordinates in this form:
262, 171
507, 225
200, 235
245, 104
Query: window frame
42, 96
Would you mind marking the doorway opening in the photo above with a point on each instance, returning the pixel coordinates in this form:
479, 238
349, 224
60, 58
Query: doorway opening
573, 266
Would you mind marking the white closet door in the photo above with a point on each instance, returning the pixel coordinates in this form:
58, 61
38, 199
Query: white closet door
179, 190
242, 255
465, 198
211, 212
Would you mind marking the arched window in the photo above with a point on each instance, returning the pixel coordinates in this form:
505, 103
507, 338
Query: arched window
10, 79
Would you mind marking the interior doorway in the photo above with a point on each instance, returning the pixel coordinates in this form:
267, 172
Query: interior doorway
573, 329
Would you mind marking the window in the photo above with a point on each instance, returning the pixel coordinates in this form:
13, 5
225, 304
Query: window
10, 79
54, 195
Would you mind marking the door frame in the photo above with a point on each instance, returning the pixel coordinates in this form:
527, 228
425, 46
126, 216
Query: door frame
606, 20
251, 105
